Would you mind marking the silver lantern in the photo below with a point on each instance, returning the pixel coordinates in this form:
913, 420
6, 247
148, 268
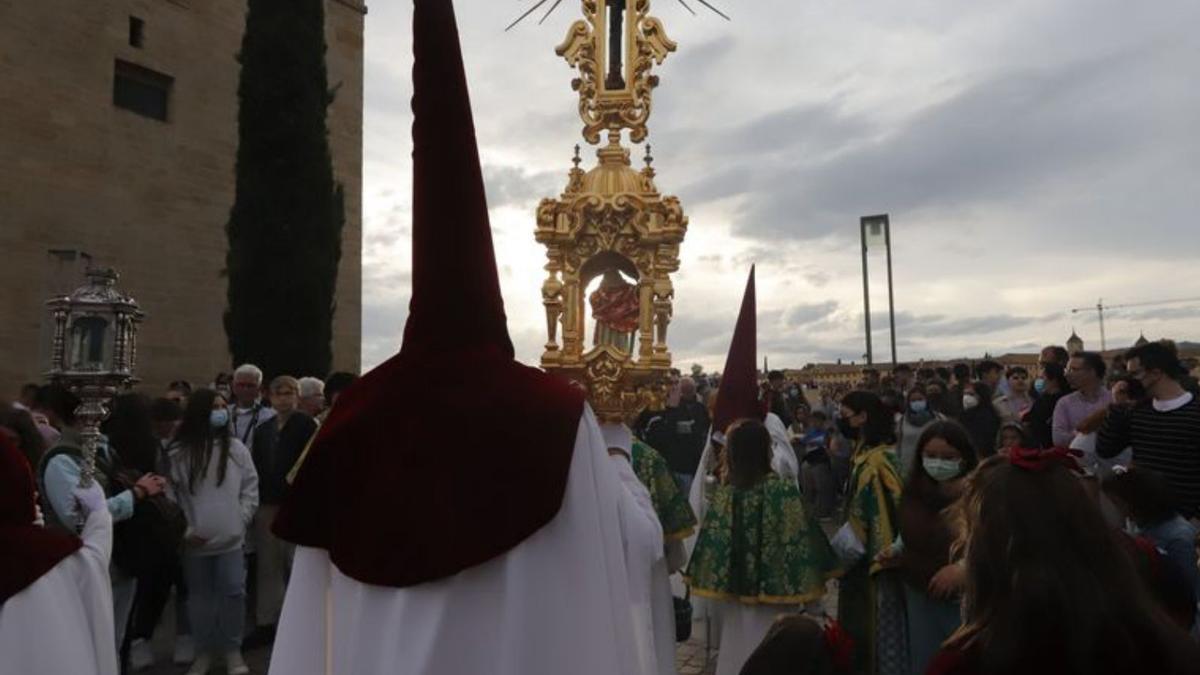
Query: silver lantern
94, 352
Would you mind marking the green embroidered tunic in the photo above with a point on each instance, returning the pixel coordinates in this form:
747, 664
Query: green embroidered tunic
871, 510
671, 505
761, 545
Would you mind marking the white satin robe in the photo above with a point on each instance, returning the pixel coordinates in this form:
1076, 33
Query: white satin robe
63, 622
560, 602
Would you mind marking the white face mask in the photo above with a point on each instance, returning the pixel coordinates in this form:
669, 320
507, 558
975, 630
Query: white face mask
942, 470
970, 401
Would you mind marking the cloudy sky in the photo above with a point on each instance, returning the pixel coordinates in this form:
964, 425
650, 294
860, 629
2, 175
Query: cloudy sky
1034, 156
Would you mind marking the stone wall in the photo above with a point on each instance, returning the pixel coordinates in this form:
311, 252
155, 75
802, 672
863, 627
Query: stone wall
147, 197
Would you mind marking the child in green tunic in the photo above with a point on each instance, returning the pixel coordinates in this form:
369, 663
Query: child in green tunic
760, 552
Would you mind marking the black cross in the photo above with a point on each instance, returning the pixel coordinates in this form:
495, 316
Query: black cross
616, 41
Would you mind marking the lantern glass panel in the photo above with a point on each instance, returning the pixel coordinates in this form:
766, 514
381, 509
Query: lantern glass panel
91, 343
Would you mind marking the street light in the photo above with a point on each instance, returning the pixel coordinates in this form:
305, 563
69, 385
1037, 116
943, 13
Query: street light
875, 231
94, 352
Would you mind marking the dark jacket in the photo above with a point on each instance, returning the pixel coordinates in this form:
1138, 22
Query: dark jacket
1039, 420
276, 451
927, 535
680, 435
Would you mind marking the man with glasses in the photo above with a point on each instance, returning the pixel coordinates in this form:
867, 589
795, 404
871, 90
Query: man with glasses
1085, 374
277, 447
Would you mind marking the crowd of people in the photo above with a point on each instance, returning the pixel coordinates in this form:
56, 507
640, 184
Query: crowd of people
191, 481
976, 514
975, 509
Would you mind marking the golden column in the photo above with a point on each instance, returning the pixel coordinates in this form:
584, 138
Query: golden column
611, 223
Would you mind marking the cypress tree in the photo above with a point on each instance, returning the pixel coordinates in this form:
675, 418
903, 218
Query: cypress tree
285, 228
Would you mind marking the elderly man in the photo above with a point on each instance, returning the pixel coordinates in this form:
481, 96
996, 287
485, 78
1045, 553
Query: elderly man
312, 397
248, 410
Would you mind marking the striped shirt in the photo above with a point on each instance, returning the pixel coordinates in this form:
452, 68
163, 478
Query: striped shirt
1166, 442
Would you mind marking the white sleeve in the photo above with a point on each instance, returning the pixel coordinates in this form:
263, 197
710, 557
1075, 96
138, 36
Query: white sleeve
97, 537
697, 497
783, 455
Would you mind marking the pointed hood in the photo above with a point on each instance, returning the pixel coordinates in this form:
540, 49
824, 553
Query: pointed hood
391, 487
27, 551
456, 297
737, 397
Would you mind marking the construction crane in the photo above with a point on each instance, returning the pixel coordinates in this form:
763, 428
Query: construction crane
1100, 308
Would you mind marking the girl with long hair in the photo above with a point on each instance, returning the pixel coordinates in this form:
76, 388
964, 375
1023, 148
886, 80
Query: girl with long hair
760, 551
1050, 588
870, 599
213, 479
945, 456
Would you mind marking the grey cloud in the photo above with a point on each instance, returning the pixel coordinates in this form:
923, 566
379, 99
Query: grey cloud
514, 186
799, 316
383, 328
1157, 314
812, 169
941, 326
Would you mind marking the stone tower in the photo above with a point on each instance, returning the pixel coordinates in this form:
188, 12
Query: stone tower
119, 139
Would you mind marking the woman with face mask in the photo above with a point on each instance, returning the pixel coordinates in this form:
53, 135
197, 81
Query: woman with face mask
979, 416
870, 599
1050, 386
944, 457
914, 419
212, 477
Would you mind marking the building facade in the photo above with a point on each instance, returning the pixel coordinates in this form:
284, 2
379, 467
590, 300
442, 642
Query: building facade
119, 135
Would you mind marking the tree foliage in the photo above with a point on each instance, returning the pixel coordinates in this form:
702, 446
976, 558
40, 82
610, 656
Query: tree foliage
285, 228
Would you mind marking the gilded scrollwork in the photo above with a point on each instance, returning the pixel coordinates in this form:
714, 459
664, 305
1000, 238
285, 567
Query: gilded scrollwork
629, 108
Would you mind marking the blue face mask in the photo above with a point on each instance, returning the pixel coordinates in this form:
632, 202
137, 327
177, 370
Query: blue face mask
918, 407
1039, 385
219, 419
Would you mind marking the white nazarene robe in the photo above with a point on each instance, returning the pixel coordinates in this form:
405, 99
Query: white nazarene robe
560, 602
649, 581
63, 622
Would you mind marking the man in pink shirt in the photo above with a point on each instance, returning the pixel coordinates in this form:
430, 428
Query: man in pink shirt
1085, 373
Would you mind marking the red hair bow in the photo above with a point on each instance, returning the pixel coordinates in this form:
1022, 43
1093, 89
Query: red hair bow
1033, 459
839, 645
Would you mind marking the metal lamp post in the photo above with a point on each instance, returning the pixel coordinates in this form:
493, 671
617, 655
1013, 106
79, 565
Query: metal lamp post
94, 353
877, 230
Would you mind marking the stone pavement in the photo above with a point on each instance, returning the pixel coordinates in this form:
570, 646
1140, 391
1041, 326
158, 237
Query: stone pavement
689, 658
